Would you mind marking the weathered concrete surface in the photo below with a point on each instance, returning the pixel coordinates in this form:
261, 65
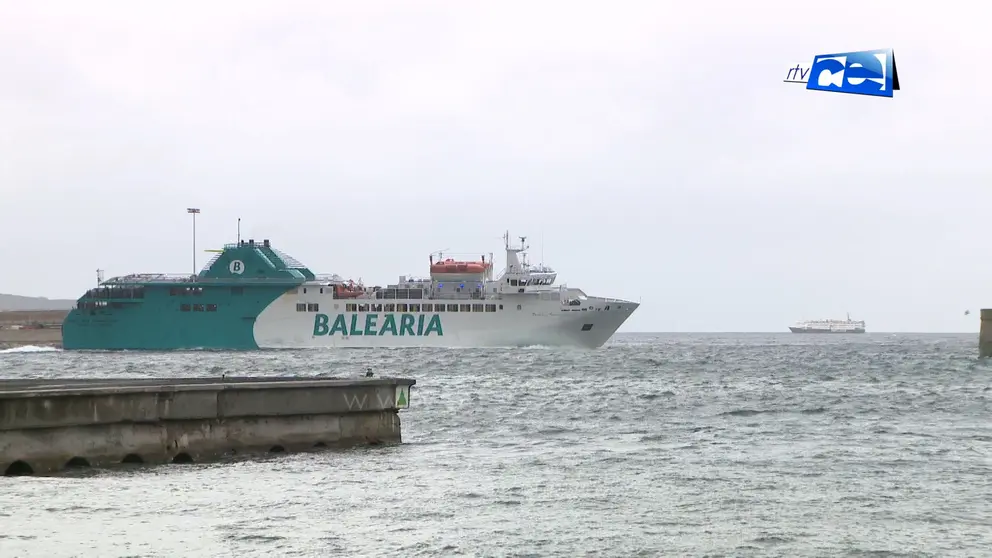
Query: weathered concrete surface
985, 334
45, 424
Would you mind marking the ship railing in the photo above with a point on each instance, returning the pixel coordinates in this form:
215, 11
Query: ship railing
328, 277
189, 278
211, 262
152, 278
457, 296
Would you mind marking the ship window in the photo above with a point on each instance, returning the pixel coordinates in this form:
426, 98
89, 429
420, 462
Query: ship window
452, 308
500, 306
586, 327
184, 307
313, 307
363, 307
349, 307
490, 308
198, 308
465, 308
513, 282
401, 307
211, 308
322, 290
237, 290
477, 308
415, 308
428, 308
607, 307
377, 308
304, 290
519, 307
439, 308
390, 307
301, 306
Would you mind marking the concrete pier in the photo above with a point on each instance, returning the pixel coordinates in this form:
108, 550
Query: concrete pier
985, 334
49, 425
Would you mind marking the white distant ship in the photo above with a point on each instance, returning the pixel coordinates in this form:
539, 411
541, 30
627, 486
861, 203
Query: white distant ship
829, 326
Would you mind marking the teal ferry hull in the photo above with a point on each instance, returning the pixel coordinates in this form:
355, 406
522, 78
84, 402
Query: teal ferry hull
214, 309
158, 322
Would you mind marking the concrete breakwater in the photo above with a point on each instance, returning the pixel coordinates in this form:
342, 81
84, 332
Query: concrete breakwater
49, 425
985, 334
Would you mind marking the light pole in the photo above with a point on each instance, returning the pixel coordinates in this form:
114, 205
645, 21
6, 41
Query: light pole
193, 211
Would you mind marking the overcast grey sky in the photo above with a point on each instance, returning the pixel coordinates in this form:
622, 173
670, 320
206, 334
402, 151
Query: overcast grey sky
652, 144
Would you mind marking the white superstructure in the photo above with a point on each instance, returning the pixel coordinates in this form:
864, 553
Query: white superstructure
461, 304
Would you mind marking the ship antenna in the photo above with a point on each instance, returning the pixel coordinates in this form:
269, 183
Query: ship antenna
239, 230
542, 247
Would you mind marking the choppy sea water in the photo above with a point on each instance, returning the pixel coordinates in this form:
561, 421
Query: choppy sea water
655, 445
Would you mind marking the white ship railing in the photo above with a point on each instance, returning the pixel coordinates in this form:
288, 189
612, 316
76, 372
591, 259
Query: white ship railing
179, 278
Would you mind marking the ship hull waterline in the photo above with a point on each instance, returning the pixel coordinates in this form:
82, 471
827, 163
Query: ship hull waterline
280, 326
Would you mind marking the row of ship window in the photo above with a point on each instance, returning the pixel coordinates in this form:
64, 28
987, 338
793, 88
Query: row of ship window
406, 307
198, 307
198, 291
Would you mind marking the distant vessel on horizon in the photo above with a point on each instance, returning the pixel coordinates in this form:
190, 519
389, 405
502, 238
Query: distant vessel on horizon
829, 326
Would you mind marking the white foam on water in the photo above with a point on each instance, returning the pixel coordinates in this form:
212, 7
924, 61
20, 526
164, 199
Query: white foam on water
29, 349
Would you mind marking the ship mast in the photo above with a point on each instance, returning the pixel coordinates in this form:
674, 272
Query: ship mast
194, 211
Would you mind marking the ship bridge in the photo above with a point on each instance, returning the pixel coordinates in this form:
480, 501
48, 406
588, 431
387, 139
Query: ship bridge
520, 276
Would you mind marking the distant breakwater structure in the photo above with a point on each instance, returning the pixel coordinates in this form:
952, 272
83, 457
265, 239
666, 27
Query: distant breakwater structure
985, 334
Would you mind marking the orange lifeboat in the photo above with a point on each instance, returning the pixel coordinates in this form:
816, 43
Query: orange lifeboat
454, 266
351, 290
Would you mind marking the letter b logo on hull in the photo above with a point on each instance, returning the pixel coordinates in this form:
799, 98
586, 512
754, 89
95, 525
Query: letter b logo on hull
237, 267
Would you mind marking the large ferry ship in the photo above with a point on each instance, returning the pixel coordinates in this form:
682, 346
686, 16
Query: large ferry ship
251, 296
829, 326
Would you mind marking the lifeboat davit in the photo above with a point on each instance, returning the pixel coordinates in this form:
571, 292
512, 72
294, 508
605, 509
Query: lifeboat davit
450, 267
